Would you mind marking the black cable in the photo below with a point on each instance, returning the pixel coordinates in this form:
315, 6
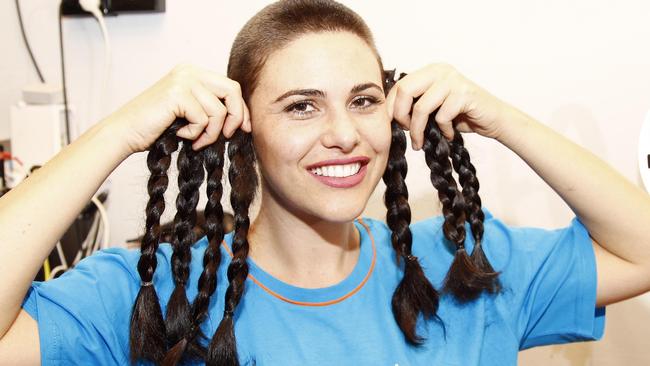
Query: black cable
29, 49
65, 93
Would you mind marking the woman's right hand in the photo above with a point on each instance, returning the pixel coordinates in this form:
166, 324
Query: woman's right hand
189, 92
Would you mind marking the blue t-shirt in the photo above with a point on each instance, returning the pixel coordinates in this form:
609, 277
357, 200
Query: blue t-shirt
549, 280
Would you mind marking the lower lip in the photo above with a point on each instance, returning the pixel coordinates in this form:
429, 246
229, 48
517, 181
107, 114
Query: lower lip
344, 182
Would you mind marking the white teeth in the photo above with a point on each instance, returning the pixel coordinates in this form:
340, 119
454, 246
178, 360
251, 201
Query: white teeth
337, 170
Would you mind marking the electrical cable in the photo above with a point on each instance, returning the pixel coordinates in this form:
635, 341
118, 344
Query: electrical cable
65, 93
89, 245
64, 264
94, 8
46, 269
83, 252
105, 223
29, 49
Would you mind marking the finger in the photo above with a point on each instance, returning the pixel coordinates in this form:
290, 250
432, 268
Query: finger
235, 116
210, 134
390, 102
402, 105
226, 89
216, 112
246, 125
428, 102
191, 110
233, 122
210, 102
449, 110
407, 88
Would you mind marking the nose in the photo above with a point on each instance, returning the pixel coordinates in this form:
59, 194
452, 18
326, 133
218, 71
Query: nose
341, 132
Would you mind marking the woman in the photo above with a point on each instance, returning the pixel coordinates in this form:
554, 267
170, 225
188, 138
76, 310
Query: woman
306, 83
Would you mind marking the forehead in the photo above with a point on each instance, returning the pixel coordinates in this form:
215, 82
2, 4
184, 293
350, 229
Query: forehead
327, 60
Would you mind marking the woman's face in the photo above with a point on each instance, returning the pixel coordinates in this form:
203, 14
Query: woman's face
320, 126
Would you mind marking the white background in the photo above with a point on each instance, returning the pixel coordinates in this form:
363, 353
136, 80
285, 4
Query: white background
581, 67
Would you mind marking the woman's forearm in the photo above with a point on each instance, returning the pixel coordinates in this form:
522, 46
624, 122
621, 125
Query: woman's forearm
35, 214
615, 212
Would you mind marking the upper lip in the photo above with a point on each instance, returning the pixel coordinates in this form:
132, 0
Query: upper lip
356, 159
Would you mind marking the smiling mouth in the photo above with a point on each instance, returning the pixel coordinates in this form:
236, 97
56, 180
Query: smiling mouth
340, 176
337, 171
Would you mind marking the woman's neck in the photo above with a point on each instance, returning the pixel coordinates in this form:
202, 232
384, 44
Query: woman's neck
309, 253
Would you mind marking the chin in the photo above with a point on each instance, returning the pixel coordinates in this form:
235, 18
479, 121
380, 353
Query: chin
340, 213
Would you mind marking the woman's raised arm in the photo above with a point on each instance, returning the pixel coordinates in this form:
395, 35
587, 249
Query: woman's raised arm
35, 214
615, 212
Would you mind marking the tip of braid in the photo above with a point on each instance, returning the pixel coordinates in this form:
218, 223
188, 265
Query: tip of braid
414, 294
483, 265
243, 179
147, 338
421, 298
223, 347
174, 355
179, 306
465, 281
482, 276
147, 333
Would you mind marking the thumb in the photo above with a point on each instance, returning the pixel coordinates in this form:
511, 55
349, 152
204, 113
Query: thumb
390, 102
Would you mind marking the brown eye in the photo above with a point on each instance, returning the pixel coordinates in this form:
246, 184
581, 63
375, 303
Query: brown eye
364, 102
301, 109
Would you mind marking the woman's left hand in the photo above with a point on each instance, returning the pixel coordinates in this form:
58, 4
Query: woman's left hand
460, 101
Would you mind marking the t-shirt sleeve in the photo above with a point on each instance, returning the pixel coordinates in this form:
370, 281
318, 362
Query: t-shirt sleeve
549, 282
83, 316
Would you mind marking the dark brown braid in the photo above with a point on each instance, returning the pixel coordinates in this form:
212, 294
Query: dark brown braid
414, 295
475, 216
460, 278
243, 178
213, 160
147, 339
178, 319
465, 281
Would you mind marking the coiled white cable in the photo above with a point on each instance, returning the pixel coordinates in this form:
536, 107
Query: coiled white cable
93, 7
105, 224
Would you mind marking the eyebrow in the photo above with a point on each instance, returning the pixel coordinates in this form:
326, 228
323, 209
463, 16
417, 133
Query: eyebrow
321, 94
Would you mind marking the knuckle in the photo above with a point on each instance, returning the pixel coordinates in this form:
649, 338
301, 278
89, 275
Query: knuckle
399, 89
181, 69
183, 72
419, 109
221, 111
447, 66
446, 69
441, 117
176, 91
465, 90
235, 86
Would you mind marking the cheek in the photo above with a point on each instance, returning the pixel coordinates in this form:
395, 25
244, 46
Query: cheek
380, 138
279, 147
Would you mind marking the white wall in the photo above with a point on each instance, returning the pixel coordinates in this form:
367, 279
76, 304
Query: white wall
581, 67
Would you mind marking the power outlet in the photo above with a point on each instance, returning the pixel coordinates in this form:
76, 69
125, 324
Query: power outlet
115, 7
